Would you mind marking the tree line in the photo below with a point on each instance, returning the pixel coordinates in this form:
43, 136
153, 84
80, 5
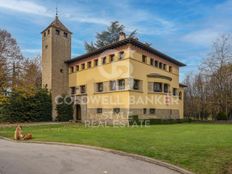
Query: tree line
209, 92
21, 96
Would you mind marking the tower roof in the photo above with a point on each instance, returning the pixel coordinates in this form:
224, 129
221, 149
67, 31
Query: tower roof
57, 24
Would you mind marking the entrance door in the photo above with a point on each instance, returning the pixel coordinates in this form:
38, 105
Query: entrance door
78, 112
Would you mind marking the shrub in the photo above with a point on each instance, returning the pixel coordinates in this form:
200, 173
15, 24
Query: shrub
64, 111
222, 116
23, 108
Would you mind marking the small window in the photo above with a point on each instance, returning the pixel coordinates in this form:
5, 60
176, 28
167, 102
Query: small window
77, 68
65, 34
157, 87
48, 31
96, 62
89, 64
116, 110
121, 55
180, 95
156, 63
136, 84
164, 66
111, 57
73, 90
170, 68
152, 111
45, 34
46, 46
160, 65
83, 66
72, 69
57, 32
99, 87
82, 89
166, 88
113, 85
144, 110
151, 61
99, 110
103, 60
144, 58
121, 84
61, 70
174, 91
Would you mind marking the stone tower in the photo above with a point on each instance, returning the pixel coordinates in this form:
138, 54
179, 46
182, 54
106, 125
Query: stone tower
56, 49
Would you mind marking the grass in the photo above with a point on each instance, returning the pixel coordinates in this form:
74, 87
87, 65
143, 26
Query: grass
200, 148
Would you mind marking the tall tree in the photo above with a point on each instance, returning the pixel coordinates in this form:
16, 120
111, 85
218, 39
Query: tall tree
10, 60
109, 36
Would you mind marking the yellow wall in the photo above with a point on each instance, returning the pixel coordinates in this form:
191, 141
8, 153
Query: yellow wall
131, 66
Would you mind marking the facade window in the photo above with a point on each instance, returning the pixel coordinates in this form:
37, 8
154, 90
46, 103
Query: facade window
160, 65
99, 110
89, 64
111, 57
45, 34
73, 90
65, 34
121, 55
121, 84
83, 66
136, 84
170, 68
113, 85
116, 110
152, 111
151, 61
57, 32
82, 89
103, 60
72, 69
144, 110
174, 91
48, 31
164, 66
99, 87
156, 63
144, 58
77, 68
96, 62
157, 87
180, 95
166, 88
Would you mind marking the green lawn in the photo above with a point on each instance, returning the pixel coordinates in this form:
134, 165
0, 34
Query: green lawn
201, 148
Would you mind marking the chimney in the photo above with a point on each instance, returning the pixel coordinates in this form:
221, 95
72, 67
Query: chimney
122, 36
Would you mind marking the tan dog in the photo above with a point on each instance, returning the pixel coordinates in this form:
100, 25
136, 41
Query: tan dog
18, 133
27, 136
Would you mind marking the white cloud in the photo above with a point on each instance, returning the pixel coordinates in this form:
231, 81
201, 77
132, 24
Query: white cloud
202, 37
25, 7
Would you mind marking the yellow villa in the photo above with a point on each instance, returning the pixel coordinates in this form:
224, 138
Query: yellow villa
125, 79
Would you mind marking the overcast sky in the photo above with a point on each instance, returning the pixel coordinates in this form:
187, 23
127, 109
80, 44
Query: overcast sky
183, 29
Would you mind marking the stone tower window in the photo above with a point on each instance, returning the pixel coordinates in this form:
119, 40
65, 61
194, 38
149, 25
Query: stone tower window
45, 34
65, 34
61, 70
57, 32
48, 31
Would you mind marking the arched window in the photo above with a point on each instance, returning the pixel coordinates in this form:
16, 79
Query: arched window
180, 95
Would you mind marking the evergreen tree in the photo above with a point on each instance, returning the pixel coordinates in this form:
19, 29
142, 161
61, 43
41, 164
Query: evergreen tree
109, 36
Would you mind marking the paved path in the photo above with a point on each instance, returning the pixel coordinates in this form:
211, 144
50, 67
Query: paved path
30, 158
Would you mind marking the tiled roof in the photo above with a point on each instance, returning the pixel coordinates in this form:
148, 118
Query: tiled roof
132, 41
57, 24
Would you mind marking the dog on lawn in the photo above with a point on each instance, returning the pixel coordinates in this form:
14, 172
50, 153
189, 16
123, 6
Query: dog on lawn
18, 135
